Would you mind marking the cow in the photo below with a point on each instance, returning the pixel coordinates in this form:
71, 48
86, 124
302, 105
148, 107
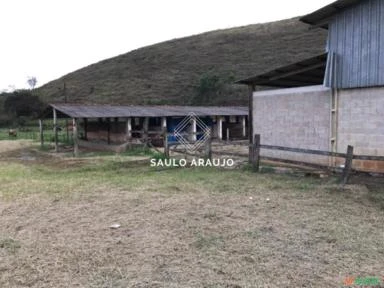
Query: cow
12, 133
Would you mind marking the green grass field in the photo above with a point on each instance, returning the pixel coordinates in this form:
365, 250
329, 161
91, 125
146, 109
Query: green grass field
185, 227
32, 133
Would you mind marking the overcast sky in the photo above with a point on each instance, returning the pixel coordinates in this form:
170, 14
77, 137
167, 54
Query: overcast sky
50, 38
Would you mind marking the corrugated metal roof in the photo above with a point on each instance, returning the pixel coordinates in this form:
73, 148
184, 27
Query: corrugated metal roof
356, 39
322, 16
304, 73
110, 111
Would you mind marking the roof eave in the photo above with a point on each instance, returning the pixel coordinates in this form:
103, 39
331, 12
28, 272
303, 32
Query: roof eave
322, 16
307, 64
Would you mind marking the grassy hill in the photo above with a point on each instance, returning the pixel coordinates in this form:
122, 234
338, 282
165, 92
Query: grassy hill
173, 72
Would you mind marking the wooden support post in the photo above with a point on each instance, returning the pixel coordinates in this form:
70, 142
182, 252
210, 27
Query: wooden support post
55, 130
164, 124
145, 127
208, 146
220, 127
108, 131
256, 153
251, 89
227, 136
129, 128
165, 136
41, 129
75, 138
129, 132
193, 129
347, 165
244, 126
166, 146
85, 128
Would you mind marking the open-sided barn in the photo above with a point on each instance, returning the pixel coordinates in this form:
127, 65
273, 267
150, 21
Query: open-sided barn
98, 125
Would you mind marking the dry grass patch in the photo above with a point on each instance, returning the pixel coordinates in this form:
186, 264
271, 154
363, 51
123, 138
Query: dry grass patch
184, 228
10, 145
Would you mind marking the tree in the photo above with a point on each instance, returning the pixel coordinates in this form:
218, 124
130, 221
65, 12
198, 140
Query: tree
32, 81
22, 103
212, 87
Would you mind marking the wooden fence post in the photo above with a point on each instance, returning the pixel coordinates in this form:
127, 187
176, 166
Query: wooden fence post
166, 146
256, 153
347, 165
41, 129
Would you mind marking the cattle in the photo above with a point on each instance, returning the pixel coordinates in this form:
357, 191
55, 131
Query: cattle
12, 133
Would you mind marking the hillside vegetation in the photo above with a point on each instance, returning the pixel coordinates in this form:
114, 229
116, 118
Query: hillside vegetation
198, 69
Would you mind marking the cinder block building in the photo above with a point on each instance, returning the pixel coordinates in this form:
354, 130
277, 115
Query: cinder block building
331, 100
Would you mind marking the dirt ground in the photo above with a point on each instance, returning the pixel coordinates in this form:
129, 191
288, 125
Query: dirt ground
9, 145
181, 227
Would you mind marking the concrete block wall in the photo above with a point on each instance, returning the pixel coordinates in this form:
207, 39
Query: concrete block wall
361, 124
294, 117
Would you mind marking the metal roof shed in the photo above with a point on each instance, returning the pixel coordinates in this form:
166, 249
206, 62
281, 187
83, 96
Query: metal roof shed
146, 120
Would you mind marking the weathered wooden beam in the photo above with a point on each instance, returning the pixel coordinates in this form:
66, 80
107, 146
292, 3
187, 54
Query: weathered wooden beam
301, 150
367, 157
295, 162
